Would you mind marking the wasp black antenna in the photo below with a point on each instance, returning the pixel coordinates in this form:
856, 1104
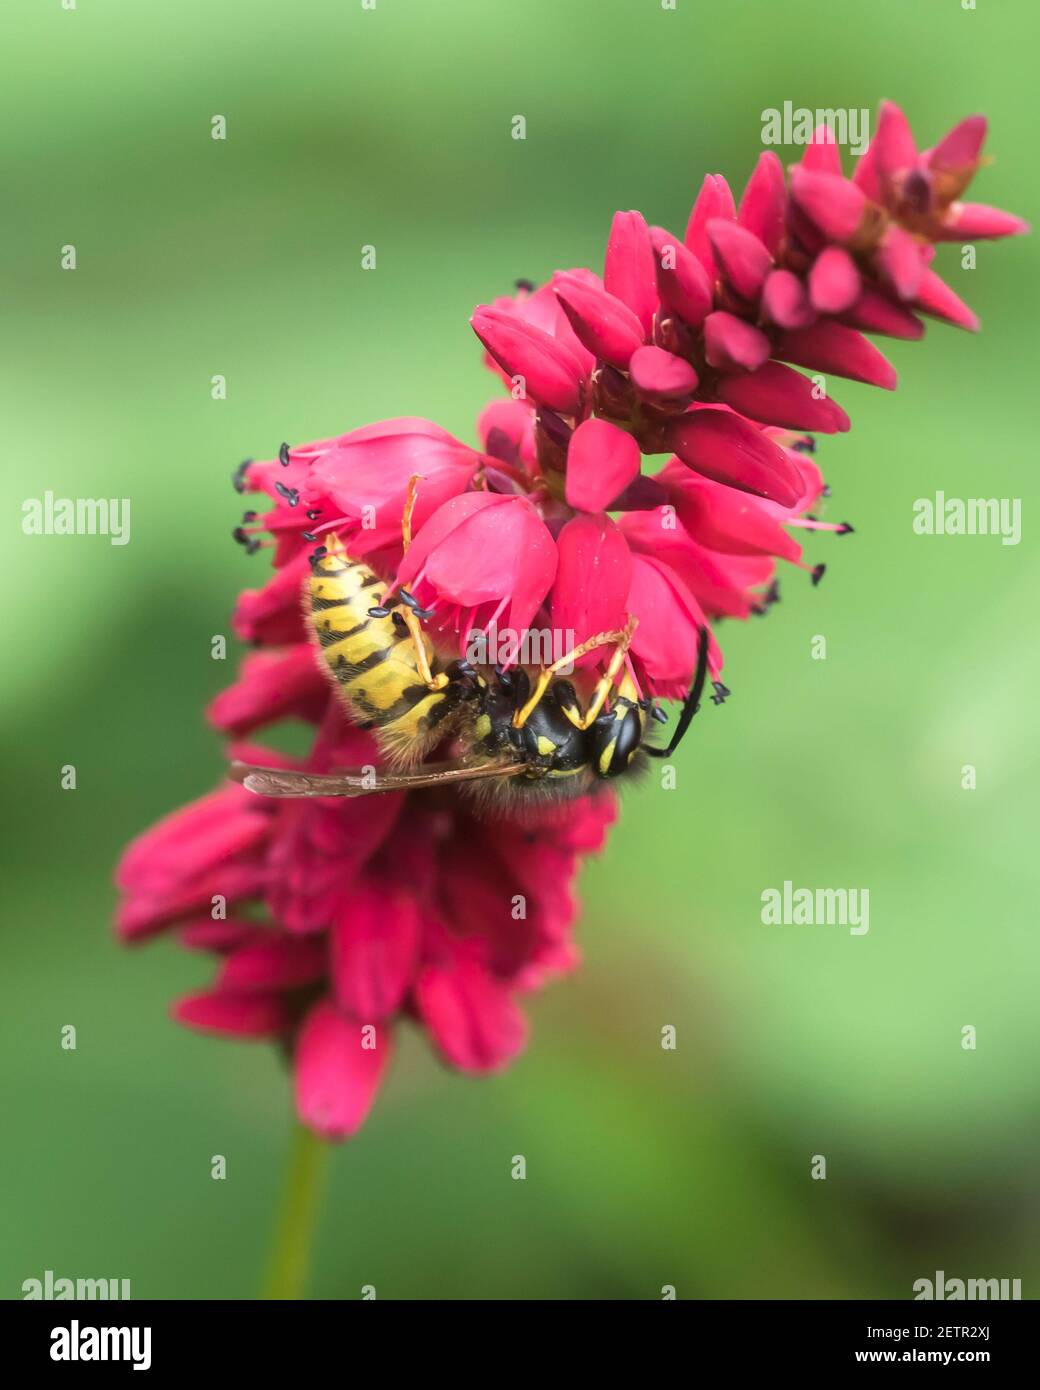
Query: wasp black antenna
691, 704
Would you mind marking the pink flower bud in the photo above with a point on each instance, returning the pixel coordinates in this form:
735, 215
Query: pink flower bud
764, 204
605, 325
776, 395
785, 300
681, 280
832, 202
834, 282
741, 256
831, 347
660, 376
733, 344
714, 200
551, 374
628, 270
722, 446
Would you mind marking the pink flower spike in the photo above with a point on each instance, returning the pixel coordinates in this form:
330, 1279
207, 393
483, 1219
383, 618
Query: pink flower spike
733, 344
785, 300
338, 1071
660, 376
822, 155
551, 374
743, 259
935, 297
875, 313
721, 446
603, 324
777, 395
601, 462
628, 270
834, 283
977, 222
831, 347
714, 200
833, 203
681, 280
764, 204
899, 260
238, 1015
959, 150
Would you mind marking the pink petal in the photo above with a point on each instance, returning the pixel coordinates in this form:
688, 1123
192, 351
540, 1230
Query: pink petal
375, 945
592, 579
552, 375
831, 347
482, 547
336, 1075
833, 203
604, 324
471, 1016
722, 446
667, 638
628, 272
733, 344
601, 461
741, 256
785, 300
681, 280
776, 395
237, 1015
367, 473
834, 282
764, 204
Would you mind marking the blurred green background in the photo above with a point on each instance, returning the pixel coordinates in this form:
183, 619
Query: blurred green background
242, 258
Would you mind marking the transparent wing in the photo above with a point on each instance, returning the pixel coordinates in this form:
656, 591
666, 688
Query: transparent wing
280, 781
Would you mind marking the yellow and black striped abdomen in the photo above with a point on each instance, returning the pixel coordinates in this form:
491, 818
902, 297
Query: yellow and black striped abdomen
373, 660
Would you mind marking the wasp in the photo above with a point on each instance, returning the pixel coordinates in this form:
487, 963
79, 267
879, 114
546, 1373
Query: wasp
516, 736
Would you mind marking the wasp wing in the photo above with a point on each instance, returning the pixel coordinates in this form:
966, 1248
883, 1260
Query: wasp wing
285, 782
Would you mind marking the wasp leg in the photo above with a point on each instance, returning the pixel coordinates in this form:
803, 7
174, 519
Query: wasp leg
691, 704
619, 640
606, 682
422, 660
409, 508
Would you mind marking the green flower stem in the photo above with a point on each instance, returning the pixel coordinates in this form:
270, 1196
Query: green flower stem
294, 1237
